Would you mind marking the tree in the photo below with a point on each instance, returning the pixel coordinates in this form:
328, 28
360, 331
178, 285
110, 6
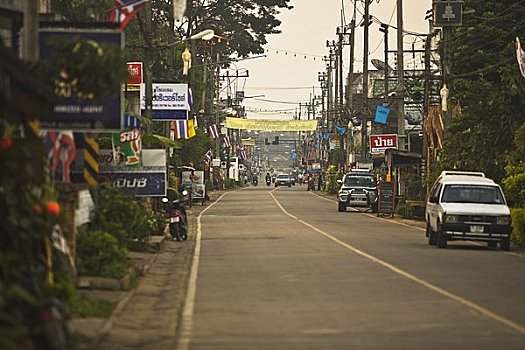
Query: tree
488, 87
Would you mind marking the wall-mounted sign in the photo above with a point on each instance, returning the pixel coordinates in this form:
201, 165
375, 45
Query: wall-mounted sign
73, 109
141, 184
169, 101
380, 143
134, 73
447, 13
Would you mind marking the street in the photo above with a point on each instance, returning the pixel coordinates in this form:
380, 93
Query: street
282, 269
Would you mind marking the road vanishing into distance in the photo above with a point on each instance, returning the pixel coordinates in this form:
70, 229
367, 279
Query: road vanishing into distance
282, 269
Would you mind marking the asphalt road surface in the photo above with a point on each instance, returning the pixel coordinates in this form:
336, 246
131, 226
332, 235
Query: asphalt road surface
282, 269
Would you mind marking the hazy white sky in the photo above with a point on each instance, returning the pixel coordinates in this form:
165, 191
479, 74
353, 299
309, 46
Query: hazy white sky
289, 72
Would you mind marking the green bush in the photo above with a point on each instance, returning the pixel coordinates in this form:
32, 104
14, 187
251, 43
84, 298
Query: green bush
229, 184
332, 175
518, 226
99, 254
122, 216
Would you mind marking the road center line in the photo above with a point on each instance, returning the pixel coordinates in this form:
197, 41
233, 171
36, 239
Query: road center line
186, 325
473, 306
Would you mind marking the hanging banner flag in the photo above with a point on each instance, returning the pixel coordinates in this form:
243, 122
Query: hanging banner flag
62, 152
382, 114
127, 148
214, 132
124, 10
271, 124
183, 129
227, 142
520, 55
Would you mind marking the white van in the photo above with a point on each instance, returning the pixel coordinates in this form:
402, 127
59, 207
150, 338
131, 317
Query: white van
467, 206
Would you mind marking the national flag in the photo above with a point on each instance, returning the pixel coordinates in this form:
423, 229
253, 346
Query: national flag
214, 132
183, 129
520, 55
227, 142
243, 154
124, 10
131, 122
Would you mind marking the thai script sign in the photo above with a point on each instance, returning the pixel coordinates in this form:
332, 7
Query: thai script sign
142, 184
380, 143
271, 124
169, 101
127, 147
134, 73
75, 110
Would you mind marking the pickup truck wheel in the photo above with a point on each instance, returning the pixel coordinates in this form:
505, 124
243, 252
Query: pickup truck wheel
505, 244
492, 244
289, 185
341, 206
432, 237
441, 238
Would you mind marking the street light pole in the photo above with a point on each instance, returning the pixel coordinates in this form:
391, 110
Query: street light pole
400, 78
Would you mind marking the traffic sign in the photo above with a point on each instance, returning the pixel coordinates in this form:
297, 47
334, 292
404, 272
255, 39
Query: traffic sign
448, 13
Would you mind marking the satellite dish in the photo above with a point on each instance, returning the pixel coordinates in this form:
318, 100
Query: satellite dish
380, 65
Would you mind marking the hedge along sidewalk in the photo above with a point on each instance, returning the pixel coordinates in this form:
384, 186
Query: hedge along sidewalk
149, 314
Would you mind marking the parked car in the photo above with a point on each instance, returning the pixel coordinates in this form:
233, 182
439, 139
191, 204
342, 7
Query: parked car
467, 206
358, 188
283, 180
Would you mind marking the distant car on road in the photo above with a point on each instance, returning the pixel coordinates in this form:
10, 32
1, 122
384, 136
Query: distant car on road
467, 206
283, 180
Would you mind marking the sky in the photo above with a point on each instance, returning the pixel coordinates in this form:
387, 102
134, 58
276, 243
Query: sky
288, 75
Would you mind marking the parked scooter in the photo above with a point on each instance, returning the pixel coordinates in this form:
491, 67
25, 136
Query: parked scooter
255, 181
178, 220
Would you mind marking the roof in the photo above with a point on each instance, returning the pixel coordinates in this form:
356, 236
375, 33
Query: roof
466, 180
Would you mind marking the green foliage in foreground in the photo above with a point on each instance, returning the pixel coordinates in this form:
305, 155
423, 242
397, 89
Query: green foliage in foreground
99, 254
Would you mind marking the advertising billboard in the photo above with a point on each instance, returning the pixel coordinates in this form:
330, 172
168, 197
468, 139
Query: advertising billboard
74, 110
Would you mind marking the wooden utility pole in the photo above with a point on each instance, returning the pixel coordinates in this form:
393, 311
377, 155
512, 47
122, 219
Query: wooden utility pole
30, 34
400, 79
364, 122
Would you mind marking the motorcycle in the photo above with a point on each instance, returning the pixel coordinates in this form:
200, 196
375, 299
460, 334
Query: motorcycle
268, 181
177, 219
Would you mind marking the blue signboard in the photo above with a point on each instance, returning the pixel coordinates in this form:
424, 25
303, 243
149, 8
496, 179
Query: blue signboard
73, 113
382, 114
145, 184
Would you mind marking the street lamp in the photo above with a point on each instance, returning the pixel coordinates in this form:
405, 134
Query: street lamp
206, 34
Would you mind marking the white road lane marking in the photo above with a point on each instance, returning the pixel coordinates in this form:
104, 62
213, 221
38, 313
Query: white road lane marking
473, 306
186, 326
415, 227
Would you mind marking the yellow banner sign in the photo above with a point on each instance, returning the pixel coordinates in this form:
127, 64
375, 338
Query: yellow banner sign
271, 124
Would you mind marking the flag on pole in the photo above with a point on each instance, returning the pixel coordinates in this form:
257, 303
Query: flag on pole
214, 132
183, 129
124, 10
520, 55
227, 142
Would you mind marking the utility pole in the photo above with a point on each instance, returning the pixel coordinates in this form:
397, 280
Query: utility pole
30, 52
400, 79
148, 65
364, 123
384, 29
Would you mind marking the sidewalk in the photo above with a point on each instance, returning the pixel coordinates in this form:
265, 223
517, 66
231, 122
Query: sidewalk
146, 317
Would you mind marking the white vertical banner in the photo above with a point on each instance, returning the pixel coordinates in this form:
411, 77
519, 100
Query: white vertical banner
520, 56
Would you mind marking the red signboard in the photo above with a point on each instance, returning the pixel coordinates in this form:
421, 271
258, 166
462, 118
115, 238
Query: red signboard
380, 143
135, 73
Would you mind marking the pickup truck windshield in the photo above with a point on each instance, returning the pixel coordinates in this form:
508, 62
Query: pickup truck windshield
472, 194
360, 181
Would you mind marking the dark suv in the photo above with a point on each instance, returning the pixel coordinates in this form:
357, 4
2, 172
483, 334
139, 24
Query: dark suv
358, 188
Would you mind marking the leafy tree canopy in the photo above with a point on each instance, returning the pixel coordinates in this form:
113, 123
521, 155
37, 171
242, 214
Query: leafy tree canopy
488, 86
